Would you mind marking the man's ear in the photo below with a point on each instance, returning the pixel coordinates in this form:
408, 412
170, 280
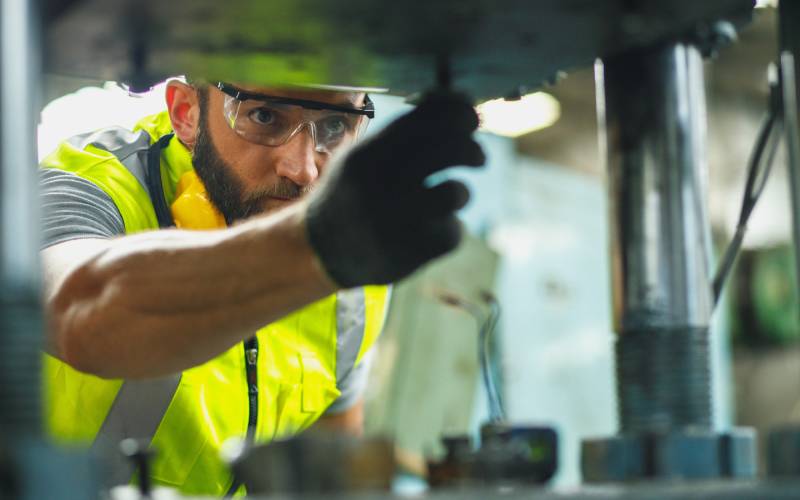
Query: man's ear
184, 111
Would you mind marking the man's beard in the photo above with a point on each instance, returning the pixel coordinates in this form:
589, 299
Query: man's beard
224, 189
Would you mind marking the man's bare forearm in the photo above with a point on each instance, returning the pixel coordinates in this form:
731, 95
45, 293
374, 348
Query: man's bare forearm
159, 302
350, 422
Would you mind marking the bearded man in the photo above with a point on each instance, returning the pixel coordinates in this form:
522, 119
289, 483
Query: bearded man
219, 271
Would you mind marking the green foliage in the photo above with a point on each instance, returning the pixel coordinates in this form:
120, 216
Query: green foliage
764, 300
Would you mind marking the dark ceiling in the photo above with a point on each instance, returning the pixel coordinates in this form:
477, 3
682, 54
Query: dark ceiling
492, 46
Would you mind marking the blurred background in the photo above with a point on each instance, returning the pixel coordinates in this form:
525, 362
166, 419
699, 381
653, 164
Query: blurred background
538, 241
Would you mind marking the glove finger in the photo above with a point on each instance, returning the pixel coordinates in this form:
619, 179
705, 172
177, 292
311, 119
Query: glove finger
440, 200
422, 239
432, 157
450, 109
441, 235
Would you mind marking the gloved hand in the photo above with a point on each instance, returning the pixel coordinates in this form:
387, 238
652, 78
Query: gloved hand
373, 220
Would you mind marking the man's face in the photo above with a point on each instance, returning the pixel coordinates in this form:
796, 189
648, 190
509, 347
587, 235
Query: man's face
243, 178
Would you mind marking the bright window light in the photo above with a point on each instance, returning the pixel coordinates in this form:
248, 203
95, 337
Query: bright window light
760, 4
514, 118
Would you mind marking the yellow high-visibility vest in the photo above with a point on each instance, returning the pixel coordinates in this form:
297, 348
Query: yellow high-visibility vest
294, 364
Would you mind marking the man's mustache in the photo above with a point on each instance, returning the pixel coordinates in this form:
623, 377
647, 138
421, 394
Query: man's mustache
284, 189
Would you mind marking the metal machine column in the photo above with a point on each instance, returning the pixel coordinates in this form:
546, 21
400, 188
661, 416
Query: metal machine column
20, 315
652, 116
789, 16
783, 446
660, 236
29, 468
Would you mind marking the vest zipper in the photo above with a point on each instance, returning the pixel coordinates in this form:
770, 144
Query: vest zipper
251, 371
251, 367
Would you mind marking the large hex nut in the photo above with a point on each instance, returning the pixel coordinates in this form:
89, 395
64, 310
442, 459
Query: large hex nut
688, 454
783, 452
612, 459
741, 453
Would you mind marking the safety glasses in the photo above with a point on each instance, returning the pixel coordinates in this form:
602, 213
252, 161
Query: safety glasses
273, 121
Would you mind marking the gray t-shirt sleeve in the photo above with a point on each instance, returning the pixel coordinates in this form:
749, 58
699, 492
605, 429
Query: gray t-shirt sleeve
352, 386
74, 208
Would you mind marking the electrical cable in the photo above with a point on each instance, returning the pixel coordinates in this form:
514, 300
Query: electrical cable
496, 410
486, 326
758, 170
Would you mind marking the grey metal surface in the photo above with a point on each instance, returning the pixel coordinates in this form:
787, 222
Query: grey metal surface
30, 469
652, 112
711, 490
789, 67
654, 130
783, 445
663, 378
315, 463
20, 318
719, 490
19, 70
652, 120
783, 452
689, 454
494, 47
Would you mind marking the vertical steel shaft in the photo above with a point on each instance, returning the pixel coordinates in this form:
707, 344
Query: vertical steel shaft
20, 312
29, 467
789, 16
652, 118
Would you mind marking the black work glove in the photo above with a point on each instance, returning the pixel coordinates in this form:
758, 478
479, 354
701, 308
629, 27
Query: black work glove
373, 220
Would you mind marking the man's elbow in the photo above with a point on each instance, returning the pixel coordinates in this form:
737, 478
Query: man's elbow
350, 421
68, 342
70, 329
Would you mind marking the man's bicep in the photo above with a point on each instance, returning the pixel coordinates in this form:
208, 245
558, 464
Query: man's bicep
349, 421
78, 221
74, 208
57, 262
59, 259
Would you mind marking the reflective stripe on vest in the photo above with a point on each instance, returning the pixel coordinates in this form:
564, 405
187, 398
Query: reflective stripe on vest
135, 152
350, 324
140, 405
130, 148
136, 413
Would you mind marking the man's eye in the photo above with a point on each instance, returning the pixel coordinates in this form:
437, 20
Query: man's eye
335, 126
262, 116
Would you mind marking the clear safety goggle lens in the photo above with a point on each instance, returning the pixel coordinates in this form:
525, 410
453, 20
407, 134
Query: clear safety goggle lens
274, 124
